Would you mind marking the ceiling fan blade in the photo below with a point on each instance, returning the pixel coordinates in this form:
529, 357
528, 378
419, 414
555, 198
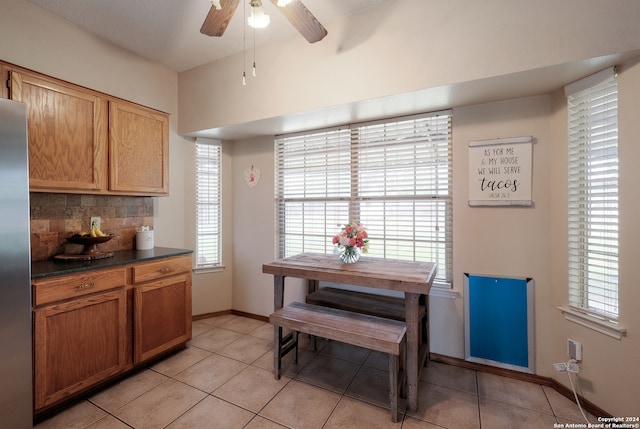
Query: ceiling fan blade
303, 20
217, 20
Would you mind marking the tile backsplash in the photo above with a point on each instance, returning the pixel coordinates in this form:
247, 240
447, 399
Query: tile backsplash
57, 216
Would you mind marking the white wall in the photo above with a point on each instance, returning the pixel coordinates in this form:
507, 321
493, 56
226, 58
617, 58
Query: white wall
607, 375
403, 46
504, 241
254, 228
434, 44
34, 39
212, 290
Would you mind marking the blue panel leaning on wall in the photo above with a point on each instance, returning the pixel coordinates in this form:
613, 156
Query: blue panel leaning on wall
498, 322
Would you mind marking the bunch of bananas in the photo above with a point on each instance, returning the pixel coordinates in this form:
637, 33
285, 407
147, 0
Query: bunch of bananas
95, 231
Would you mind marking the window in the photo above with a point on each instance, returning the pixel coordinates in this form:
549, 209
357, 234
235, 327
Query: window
394, 176
208, 207
593, 194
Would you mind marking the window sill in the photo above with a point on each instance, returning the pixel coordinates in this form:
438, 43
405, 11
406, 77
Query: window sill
442, 292
599, 325
215, 269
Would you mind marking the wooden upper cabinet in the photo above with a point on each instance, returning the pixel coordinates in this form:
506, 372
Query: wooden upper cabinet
138, 149
67, 134
84, 141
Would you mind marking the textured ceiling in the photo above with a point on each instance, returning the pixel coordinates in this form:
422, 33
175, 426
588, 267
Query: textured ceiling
168, 31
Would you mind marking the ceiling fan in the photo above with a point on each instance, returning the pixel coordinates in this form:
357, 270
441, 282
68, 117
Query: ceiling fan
293, 10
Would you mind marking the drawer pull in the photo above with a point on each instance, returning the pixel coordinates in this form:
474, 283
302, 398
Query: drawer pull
86, 286
165, 270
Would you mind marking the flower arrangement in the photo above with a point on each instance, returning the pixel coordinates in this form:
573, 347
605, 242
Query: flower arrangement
352, 235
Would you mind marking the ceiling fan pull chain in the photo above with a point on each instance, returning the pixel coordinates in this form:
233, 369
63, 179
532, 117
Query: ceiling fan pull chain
254, 52
244, 46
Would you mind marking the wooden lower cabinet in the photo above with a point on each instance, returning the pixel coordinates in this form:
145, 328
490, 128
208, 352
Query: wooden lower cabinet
161, 306
162, 316
78, 343
93, 326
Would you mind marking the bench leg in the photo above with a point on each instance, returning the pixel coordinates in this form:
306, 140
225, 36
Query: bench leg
314, 344
281, 346
402, 376
277, 351
394, 369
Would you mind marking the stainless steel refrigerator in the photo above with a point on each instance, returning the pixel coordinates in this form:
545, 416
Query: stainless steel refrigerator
16, 410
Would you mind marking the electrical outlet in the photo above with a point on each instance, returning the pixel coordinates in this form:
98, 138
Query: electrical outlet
95, 221
574, 349
560, 367
573, 367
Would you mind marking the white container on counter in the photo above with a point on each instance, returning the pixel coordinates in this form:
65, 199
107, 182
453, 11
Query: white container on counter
144, 240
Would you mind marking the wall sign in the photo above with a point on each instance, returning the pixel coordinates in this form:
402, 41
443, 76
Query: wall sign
500, 172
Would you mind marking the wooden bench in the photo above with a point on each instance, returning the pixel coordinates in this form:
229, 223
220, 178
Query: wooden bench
389, 307
371, 332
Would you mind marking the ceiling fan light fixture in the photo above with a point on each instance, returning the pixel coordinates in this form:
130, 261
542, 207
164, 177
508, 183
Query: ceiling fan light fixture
258, 19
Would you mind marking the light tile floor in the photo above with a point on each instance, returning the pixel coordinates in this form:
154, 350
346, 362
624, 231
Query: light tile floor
224, 379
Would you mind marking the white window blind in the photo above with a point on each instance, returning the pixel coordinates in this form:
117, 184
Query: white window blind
208, 207
593, 194
394, 176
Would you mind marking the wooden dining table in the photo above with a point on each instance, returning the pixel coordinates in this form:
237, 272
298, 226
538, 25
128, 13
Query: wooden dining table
414, 279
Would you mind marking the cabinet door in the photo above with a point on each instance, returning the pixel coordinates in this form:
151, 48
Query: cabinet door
162, 316
67, 134
77, 344
138, 149
4, 86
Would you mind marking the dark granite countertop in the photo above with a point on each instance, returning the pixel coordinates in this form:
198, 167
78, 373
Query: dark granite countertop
42, 269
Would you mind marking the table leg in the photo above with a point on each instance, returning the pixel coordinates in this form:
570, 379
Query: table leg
425, 347
278, 292
312, 286
411, 302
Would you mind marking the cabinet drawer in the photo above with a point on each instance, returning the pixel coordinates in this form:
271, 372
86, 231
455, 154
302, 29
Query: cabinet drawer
74, 285
162, 268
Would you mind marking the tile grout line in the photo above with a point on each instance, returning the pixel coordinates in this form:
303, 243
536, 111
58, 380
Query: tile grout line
343, 395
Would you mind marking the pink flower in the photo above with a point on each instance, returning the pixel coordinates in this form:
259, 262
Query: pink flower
353, 234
